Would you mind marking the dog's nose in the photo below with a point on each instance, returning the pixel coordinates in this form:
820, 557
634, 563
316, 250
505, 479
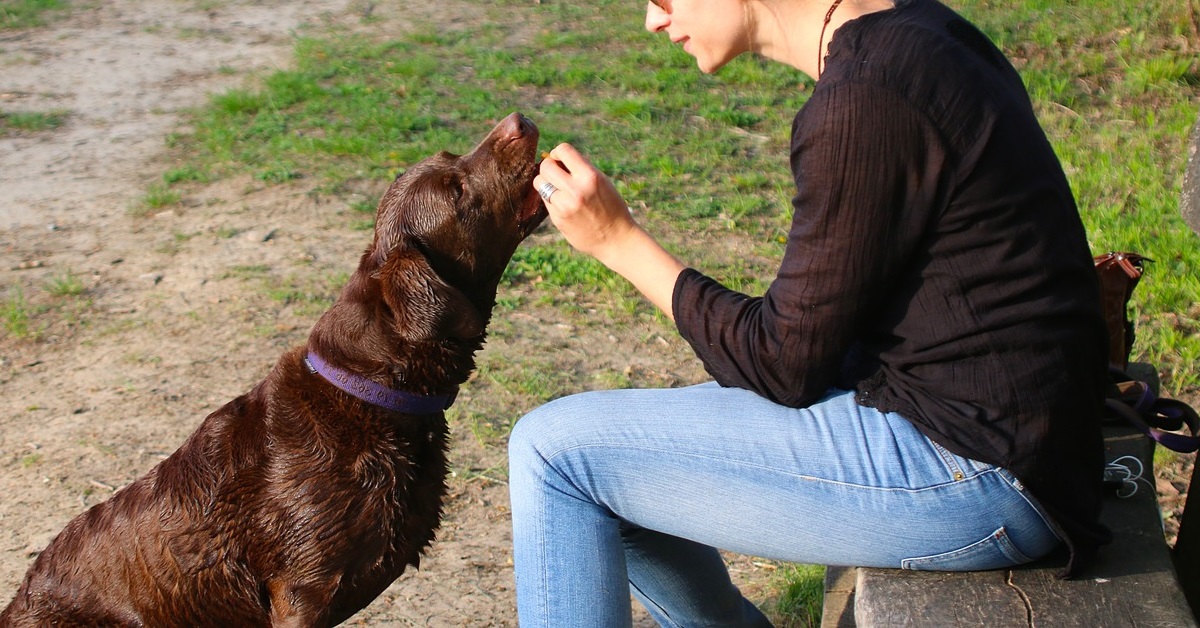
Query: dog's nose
527, 125
516, 125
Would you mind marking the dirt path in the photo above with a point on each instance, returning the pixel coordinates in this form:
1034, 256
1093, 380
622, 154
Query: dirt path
113, 380
120, 376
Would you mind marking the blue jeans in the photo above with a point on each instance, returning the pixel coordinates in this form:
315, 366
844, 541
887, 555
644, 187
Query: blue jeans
633, 490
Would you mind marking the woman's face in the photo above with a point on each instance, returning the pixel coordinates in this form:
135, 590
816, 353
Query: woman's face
712, 31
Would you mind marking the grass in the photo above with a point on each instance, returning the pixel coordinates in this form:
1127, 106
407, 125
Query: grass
67, 284
16, 315
801, 590
14, 122
29, 313
16, 14
702, 159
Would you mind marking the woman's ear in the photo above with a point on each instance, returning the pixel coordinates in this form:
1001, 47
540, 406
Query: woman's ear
424, 305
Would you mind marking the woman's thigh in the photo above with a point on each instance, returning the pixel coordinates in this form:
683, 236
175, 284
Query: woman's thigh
834, 483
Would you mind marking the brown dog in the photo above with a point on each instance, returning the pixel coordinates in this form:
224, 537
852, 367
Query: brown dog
300, 501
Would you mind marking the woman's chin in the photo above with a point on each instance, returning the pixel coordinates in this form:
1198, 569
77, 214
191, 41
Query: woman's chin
709, 64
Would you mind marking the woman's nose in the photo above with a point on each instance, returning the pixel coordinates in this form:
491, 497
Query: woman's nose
656, 18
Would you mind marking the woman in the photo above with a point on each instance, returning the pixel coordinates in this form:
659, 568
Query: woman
918, 387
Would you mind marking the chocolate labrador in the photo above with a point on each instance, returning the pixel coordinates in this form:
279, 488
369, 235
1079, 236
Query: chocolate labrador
298, 502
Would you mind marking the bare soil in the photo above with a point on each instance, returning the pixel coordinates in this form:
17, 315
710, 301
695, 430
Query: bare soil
111, 381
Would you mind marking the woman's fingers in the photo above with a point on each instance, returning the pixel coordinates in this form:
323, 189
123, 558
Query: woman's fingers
570, 159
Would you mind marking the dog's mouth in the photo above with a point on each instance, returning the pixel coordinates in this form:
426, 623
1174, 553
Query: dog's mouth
514, 140
532, 210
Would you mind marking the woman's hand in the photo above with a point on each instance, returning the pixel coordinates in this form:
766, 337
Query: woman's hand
586, 207
594, 219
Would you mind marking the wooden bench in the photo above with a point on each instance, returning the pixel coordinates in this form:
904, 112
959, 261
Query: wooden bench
1132, 583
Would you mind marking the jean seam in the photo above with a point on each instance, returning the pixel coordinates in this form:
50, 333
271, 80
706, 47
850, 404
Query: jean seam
662, 614
808, 478
957, 474
1019, 487
1000, 538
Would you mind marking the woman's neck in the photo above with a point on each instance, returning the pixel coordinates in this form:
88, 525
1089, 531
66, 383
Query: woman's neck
791, 32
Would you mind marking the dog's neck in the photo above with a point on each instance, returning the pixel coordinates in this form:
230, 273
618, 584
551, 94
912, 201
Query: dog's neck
363, 344
374, 393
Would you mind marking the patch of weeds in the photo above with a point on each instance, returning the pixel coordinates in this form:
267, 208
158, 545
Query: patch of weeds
364, 210
310, 296
487, 428
801, 595
13, 122
509, 302
67, 284
158, 196
525, 378
279, 173
612, 380
17, 14
557, 266
31, 460
185, 174
246, 272
142, 358
175, 244
17, 314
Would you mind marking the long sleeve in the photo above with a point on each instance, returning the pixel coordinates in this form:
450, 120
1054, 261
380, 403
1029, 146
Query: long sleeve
869, 176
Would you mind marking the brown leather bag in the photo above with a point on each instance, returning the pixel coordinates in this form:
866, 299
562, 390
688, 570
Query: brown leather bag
1119, 274
1128, 399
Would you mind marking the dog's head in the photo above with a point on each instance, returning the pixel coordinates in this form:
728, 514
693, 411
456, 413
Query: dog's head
444, 232
467, 213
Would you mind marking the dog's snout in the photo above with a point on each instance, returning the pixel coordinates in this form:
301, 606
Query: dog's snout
526, 125
516, 126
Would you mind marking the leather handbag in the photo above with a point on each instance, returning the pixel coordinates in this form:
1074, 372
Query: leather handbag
1119, 274
1131, 400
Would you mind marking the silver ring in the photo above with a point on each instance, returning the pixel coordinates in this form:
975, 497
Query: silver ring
546, 190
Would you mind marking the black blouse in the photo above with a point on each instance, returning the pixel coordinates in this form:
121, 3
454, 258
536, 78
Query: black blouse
936, 264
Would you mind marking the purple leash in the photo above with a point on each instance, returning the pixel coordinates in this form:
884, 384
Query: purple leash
375, 393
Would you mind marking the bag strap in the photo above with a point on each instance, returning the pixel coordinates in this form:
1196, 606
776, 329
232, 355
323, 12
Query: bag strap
1160, 419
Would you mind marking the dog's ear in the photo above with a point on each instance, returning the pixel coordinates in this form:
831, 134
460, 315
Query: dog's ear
425, 306
387, 222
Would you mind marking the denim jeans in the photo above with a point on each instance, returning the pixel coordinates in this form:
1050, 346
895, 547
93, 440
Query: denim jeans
625, 491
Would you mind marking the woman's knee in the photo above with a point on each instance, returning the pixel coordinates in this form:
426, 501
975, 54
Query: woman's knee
546, 429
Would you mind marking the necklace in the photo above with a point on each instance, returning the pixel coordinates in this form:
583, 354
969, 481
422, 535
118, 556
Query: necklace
821, 44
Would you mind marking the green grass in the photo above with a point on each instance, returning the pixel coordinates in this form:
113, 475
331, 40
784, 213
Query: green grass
14, 122
703, 159
159, 195
16, 14
801, 592
16, 315
67, 284
30, 312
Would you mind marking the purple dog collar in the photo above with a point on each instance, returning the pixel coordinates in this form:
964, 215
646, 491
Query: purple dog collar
374, 393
